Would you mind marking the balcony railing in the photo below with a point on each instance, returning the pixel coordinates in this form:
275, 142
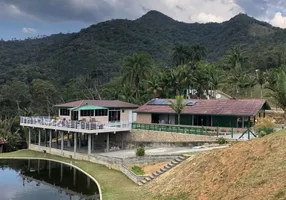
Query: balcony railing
48, 121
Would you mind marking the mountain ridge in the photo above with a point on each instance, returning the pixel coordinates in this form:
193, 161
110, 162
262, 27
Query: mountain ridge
104, 45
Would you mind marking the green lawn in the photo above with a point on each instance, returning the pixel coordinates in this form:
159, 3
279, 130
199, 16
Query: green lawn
114, 184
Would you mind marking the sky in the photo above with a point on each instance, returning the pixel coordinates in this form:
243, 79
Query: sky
29, 18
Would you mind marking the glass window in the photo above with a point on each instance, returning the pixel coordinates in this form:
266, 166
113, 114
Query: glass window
64, 112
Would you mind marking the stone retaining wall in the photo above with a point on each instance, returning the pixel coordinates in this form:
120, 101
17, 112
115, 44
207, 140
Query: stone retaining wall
131, 175
163, 137
111, 162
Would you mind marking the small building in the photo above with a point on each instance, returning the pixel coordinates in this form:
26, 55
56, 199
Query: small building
103, 111
82, 127
236, 113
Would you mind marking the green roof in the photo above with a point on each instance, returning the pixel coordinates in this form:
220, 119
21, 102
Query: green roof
88, 107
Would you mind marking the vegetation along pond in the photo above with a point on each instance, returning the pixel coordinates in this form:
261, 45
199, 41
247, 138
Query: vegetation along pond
44, 180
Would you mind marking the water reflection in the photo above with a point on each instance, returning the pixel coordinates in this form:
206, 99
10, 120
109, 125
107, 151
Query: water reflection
39, 179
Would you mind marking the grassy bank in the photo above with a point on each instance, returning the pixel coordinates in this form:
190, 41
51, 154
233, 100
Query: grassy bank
114, 184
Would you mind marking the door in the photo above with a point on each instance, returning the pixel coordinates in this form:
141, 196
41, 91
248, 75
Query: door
114, 115
74, 115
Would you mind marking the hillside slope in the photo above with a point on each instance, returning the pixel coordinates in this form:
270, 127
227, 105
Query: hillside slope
249, 170
104, 45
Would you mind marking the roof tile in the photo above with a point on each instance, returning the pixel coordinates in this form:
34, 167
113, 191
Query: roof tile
241, 107
103, 103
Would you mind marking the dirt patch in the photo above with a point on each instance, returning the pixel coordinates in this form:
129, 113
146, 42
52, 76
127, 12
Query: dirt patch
149, 169
254, 169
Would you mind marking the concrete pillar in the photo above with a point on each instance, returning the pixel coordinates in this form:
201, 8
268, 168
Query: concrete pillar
50, 145
29, 164
62, 172
75, 143
89, 144
57, 139
88, 182
62, 142
79, 141
46, 138
39, 142
74, 177
29, 138
107, 142
93, 142
50, 171
39, 163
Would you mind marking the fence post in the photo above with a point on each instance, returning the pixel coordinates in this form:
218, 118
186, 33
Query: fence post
217, 131
232, 132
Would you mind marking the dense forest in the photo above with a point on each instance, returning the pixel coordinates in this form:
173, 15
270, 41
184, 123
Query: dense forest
134, 61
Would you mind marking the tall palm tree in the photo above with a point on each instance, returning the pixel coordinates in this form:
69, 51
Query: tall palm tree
261, 81
198, 52
235, 57
181, 54
135, 70
278, 91
154, 85
178, 106
187, 76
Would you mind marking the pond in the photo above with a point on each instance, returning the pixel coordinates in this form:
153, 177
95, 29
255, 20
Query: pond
44, 180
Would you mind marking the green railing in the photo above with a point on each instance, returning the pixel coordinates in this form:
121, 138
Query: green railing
175, 129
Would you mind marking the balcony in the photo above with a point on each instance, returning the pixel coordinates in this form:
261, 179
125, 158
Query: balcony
46, 122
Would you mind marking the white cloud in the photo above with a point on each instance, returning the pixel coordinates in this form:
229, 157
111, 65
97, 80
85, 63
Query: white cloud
279, 20
204, 18
29, 30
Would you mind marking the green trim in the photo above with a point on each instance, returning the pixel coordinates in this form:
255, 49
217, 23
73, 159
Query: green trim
88, 107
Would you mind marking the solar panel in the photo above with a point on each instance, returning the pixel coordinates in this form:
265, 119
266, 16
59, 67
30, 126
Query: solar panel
166, 102
158, 102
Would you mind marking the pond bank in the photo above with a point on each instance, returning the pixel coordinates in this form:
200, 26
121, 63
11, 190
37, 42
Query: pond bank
114, 185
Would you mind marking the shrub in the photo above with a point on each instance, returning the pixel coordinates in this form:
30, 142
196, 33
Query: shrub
138, 170
266, 125
140, 151
262, 133
221, 140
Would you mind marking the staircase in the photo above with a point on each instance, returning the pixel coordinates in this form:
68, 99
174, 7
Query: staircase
164, 169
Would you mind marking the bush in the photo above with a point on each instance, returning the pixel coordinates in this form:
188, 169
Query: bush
262, 133
138, 170
140, 151
265, 125
221, 140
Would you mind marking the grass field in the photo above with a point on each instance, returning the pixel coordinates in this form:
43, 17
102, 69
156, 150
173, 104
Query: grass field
114, 184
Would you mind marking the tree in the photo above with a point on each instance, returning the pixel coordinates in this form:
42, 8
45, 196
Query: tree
17, 93
44, 93
261, 81
135, 70
278, 91
198, 52
235, 57
181, 55
153, 85
178, 106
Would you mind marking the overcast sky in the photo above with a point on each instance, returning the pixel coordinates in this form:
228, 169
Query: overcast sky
28, 18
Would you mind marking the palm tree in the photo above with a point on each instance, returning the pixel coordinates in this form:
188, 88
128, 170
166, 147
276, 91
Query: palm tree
154, 85
278, 91
187, 76
235, 57
181, 54
260, 80
178, 106
135, 70
198, 52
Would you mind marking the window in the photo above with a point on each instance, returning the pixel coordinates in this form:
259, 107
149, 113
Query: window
101, 112
64, 112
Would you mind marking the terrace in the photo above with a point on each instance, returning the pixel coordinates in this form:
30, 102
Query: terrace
79, 137
96, 127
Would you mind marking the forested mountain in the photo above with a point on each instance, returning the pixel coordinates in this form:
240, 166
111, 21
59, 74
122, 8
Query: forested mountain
104, 45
